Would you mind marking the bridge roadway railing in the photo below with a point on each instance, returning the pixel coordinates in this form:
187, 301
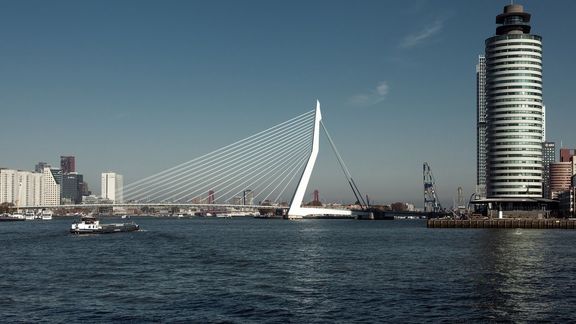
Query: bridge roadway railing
311, 211
151, 204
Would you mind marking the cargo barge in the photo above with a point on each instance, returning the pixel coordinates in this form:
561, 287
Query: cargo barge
91, 225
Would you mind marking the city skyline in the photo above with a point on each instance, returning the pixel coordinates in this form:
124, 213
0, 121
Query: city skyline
138, 87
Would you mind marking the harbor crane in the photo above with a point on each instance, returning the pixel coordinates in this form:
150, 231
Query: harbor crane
431, 202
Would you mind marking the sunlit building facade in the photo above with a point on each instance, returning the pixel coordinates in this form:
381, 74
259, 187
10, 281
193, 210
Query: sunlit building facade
51, 186
548, 157
560, 178
481, 127
514, 108
112, 187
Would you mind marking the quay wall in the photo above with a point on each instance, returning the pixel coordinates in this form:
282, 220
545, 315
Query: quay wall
503, 223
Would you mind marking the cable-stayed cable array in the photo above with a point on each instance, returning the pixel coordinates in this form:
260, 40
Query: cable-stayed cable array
265, 164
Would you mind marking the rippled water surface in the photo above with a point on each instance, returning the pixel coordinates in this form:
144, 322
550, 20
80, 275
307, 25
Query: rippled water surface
252, 270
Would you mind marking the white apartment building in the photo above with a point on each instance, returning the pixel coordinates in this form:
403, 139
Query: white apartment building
31, 188
112, 187
51, 188
8, 186
21, 188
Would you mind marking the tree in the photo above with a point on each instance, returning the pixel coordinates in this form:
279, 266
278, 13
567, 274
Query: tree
6, 207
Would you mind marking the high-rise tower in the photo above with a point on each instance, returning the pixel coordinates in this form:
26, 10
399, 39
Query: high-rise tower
514, 109
67, 164
113, 187
566, 154
548, 157
481, 127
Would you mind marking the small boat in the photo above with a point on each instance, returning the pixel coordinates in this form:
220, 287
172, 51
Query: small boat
11, 218
29, 215
46, 214
91, 225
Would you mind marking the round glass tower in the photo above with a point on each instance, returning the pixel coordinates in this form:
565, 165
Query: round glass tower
514, 107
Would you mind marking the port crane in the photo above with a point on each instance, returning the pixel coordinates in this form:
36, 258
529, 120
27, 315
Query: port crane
431, 202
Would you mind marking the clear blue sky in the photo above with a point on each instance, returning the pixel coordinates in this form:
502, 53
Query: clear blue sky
139, 86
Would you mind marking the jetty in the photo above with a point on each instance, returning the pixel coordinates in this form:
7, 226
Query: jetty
547, 223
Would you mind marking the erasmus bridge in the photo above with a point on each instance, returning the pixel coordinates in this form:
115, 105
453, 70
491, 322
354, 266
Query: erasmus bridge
270, 166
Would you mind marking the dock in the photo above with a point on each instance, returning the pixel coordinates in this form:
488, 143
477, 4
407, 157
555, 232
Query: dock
549, 223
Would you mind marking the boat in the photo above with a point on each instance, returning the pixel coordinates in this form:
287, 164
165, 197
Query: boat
46, 215
29, 215
11, 218
91, 225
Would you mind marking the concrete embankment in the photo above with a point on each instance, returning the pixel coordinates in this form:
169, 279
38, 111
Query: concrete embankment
502, 223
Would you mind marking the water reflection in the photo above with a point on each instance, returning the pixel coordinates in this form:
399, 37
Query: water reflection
512, 275
308, 276
323, 271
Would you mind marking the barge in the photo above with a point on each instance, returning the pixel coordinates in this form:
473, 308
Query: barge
91, 225
11, 218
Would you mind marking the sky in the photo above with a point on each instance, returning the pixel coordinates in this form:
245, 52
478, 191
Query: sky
137, 87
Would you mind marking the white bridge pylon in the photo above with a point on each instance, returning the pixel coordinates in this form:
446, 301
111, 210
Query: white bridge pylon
257, 171
296, 210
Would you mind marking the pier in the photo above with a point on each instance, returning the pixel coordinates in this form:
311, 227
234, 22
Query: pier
549, 223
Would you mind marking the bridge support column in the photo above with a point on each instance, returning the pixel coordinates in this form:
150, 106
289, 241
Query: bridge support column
296, 211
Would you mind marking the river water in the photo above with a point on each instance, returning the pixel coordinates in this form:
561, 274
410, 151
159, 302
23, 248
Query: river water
246, 270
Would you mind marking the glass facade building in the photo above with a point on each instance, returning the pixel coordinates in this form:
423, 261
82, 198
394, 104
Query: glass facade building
68, 164
514, 109
481, 127
549, 157
71, 188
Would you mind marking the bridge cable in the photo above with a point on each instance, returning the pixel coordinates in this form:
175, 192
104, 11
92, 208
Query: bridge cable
249, 163
347, 173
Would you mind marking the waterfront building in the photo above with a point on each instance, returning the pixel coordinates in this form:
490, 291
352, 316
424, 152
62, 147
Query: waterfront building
514, 108
316, 196
566, 203
67, 164
93, 199
39, 167
548, 157
560, 178
22, 188
8, 186
30, 188
112, 187
248, 197
51, 186
481, 127
25, 188
72, 188
84, 190
543, 123
566, 154
236, 200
